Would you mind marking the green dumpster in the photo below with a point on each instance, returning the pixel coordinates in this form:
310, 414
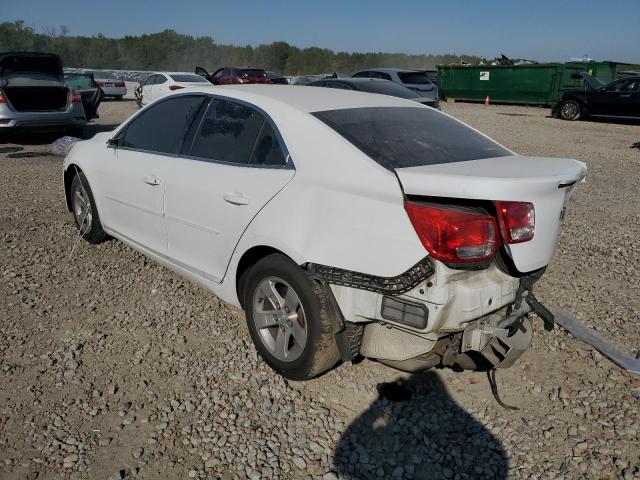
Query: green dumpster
532, 84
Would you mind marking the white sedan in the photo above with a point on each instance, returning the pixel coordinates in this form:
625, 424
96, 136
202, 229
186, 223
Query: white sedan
343, 223
160, 84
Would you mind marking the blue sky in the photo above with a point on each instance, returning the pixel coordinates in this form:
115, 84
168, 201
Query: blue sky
543, 30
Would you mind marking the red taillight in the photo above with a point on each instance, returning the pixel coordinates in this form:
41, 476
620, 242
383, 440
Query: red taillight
100, 84
517, 221
119, 84
76, 97
2, 99
175, 87
453, 236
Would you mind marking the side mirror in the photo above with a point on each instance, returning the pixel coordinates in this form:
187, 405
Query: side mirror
113, 142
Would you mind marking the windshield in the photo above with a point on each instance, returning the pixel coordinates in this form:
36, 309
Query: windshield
385, 87
414, 78
592, 81
398, 137
78, 81
188, 78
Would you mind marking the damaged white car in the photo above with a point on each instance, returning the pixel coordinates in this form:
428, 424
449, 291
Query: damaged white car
343, 223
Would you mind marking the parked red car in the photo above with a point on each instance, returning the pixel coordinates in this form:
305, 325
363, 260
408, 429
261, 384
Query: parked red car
230, 75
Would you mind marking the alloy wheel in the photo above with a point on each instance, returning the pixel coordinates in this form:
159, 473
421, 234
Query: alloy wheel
279, 318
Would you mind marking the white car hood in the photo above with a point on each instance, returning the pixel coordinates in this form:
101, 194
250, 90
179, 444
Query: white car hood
546, 182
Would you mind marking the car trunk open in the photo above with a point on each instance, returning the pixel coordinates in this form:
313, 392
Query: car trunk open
33, 82
545, 182
37, 98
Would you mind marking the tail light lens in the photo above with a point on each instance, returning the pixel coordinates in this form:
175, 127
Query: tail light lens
453, 236
517, 221
100, 84
119, 84
2, 99
76, 97
175, 87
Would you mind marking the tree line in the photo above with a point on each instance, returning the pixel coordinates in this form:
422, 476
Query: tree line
172, 51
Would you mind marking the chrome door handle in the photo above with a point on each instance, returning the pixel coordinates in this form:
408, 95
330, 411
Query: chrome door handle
151, 180
625, 96
236, 199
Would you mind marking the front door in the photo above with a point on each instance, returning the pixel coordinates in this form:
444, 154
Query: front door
236, 164
134, 179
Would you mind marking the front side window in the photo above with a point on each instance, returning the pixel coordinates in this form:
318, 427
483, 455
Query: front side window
227, 132
162, 128
363, 75
398, 137
187, 78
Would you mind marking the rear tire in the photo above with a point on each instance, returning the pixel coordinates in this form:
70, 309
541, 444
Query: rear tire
296, 334
570, 110
85, 213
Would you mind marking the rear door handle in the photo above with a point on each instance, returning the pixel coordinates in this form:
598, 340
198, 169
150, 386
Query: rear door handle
151, 180
236, 199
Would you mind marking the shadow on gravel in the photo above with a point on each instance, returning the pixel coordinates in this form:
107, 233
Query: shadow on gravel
636, 145
415, 430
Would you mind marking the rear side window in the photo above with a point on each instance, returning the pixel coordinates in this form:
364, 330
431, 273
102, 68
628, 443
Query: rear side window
414, 78
267, 149
227, 132
251, 73
163, 126
398, 137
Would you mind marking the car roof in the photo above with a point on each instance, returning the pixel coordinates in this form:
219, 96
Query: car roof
303, 98
389, 70
354, 80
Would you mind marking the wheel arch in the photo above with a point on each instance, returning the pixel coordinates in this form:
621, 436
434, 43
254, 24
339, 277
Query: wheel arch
71, 171
251, 257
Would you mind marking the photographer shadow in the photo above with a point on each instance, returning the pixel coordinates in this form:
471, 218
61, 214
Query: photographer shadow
415, 430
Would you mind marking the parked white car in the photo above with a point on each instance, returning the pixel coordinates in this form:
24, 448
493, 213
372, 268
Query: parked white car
160, 84
111, 85
343, 223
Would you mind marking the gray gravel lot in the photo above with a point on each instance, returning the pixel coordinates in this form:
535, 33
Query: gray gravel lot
113, 367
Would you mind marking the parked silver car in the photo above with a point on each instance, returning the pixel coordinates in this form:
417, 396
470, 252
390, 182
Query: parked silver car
33, 93
416, 80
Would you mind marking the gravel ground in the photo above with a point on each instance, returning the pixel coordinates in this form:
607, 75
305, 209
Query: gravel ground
113, 367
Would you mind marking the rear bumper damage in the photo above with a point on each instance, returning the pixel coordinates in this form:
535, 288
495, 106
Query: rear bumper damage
460, 319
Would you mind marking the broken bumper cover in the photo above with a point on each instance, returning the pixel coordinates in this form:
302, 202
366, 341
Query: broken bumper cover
585, 334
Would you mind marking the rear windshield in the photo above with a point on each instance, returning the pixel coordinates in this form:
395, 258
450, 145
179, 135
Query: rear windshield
252, 73
186, 78
414, 78
385, 87
398, 137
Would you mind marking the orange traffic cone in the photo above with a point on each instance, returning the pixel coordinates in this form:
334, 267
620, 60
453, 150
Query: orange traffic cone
486, 101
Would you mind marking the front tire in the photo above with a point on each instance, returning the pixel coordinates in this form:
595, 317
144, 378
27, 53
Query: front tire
570, 110
289, 318
85, 213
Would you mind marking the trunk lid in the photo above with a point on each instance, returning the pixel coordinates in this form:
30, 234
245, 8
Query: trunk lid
546, 182
30, 62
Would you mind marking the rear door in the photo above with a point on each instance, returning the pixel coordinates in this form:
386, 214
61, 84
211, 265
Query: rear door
236, 163
132, 199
